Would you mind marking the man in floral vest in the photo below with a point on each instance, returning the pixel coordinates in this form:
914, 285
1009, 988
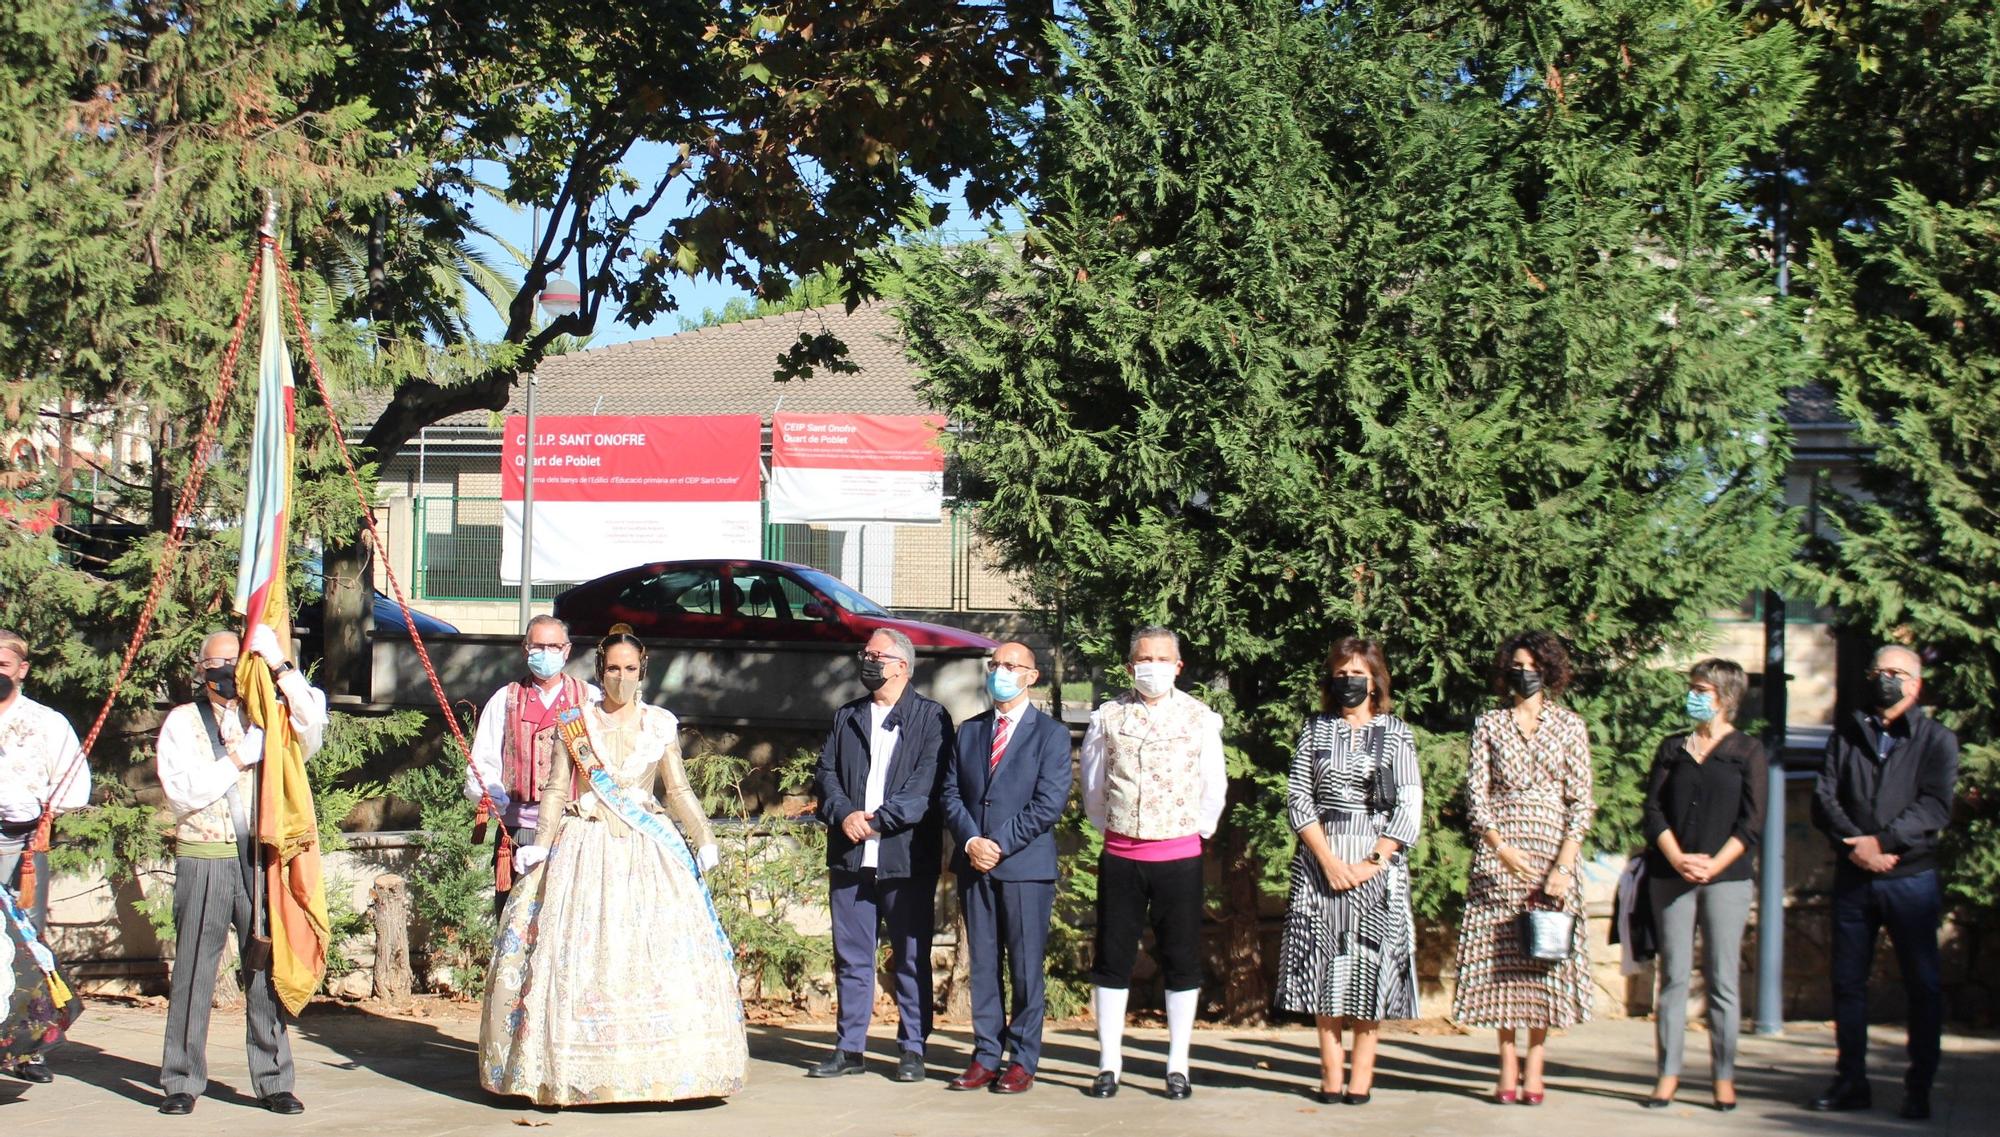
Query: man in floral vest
1153, 784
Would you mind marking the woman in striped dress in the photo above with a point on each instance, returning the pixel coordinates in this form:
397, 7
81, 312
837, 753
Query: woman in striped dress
1528, 798
1354, 797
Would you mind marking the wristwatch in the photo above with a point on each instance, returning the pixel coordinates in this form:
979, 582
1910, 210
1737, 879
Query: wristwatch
1564, 869
1376, 858
279, 670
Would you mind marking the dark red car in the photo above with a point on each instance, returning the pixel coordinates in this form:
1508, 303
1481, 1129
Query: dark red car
740, 600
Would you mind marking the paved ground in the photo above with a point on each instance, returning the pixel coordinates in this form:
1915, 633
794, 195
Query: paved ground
362, 1073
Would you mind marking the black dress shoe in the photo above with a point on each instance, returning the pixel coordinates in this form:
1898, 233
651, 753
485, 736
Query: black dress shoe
841, 1062
910, 1067
1178, 1088
178, 1104
1357, 1099
284, 1101
1105, 1085
1916, 1106
1329, 1097
1841, 1097
1656, 1103
32, 1072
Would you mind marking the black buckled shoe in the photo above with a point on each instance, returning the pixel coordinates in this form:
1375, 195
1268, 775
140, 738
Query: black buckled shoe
1178, 1088
841, 1062
1105, 1085
1916, 1105
178, 1105
284, 1101
910, 1067
30, 1070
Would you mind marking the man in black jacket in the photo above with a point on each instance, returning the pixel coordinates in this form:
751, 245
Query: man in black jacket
878, 780
1884, 795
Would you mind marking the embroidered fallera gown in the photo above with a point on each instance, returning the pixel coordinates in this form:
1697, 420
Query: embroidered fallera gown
612, 979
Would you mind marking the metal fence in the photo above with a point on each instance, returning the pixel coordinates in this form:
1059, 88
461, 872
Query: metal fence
945, 567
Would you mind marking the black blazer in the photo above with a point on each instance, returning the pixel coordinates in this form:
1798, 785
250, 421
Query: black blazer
1905, 801
1017, 806
911, 824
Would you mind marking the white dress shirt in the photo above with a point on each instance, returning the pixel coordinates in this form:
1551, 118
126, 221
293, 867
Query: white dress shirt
881, 751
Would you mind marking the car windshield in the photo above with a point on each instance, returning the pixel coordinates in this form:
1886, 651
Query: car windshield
842, 595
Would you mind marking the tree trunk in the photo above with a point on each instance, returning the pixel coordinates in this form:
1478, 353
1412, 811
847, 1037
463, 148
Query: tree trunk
350, 614
389, 903
1246, 996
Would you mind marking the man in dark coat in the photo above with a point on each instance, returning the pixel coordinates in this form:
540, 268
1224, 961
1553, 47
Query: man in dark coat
878, 779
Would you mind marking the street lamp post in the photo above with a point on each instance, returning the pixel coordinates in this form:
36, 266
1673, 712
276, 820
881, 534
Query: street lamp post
559, 298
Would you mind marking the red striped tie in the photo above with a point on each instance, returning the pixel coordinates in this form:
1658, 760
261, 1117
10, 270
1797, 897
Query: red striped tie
1001, 725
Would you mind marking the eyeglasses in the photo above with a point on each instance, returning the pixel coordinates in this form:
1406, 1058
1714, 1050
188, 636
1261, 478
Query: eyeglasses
212, 664
1011, 668
1895, 671
877, 657
545, 647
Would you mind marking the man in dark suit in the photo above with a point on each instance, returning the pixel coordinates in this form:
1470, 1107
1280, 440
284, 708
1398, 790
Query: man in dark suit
878, 788
1002, 795
1884, 797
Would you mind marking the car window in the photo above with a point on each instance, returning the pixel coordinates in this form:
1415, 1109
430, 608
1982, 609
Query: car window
767, 594
842, 595
692, 590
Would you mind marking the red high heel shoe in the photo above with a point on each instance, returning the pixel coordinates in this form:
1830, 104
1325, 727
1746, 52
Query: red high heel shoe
1533, 1098
1506, 1097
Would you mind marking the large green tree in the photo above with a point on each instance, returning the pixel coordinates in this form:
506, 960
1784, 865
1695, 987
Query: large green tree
1898, 203
1425, 321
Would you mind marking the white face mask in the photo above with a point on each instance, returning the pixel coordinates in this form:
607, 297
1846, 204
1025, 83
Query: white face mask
1153, 679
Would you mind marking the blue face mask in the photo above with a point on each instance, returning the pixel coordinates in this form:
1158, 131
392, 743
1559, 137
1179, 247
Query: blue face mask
545, 662
1700, 706
1003, 684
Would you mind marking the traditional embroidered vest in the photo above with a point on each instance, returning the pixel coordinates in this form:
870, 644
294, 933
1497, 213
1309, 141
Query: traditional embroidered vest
522, 767
1153, 766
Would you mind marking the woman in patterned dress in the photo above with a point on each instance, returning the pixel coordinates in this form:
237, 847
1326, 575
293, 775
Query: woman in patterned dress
612, 980
1528, 798
1354, 797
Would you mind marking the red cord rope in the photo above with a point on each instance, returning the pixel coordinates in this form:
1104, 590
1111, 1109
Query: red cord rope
169, 553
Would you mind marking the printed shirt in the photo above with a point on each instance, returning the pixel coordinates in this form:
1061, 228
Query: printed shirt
37, 746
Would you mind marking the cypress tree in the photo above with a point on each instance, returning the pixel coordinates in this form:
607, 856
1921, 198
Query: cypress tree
1420, 321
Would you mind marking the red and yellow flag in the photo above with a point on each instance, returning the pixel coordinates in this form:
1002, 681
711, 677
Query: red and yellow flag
287, 828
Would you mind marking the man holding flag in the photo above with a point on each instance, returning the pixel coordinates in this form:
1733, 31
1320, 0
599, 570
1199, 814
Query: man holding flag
208, 758
233, 765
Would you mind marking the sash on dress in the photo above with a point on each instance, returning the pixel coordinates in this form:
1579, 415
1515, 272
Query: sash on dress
631, 807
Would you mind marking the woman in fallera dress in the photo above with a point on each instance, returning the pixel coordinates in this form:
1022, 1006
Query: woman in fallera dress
1528, 796
612, 980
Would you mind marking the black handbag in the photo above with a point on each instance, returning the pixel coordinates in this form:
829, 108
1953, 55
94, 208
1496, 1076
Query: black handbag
1546, 934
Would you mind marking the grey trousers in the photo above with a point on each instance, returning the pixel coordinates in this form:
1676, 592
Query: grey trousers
208, 900
1721, 910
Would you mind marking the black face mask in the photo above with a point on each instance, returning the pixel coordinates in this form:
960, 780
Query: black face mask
871, 674
1885, 691
221, 680
1523, 681
6, 687
1350, 690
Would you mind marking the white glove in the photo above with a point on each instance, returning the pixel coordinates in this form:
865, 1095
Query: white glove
248, 754
707, 858
264, 645
16, 812
526, 857
586, 803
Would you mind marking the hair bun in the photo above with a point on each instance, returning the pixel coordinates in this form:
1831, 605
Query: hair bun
620, 629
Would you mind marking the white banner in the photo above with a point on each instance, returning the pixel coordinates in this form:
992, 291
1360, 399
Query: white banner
856, 468
581, 540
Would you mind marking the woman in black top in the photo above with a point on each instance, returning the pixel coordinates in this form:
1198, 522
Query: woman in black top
1704, 808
